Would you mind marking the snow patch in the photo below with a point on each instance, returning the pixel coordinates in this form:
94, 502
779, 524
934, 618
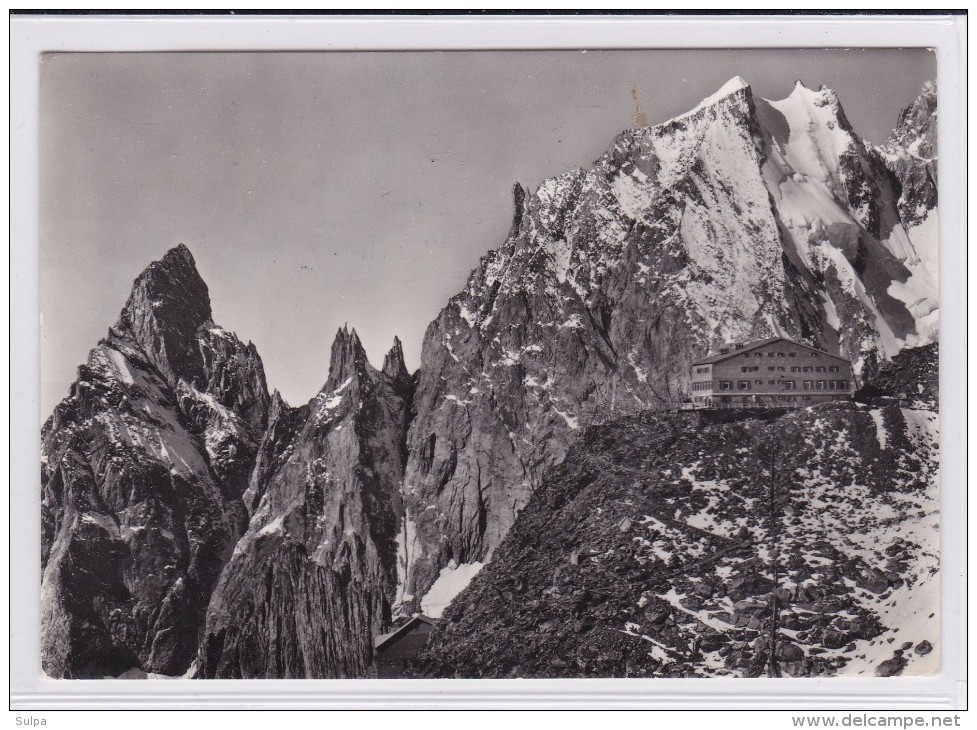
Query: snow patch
572, 422
880, 431
120, 365
275, 527
451, 581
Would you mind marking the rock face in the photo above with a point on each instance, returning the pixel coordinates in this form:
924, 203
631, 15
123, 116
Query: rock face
912, 376
143, 468
741, 219
312, 580
910, 152
804, 545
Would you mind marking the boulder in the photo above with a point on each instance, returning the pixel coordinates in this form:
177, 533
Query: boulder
923, 648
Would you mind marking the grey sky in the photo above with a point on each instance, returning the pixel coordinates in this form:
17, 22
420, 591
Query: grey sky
321, 188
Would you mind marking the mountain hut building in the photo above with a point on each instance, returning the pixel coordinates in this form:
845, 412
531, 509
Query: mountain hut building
775, 372
394, 651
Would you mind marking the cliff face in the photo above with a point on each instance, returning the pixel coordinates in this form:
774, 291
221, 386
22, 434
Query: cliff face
143, 467
663, 546
910, 153
312, 580
742, 219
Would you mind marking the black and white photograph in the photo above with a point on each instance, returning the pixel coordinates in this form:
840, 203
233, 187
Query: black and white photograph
490, 364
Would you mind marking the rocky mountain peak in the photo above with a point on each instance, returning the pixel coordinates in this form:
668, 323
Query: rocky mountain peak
733, 92
169, 302
910, 153
177, 406
917, 124
172, 282
393, 364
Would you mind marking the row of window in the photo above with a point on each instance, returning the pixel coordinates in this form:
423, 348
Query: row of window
793, 369
702, 370
787, 384
820, 385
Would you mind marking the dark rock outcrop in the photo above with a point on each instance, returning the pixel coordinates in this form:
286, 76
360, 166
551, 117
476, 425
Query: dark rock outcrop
913, 375
143, 467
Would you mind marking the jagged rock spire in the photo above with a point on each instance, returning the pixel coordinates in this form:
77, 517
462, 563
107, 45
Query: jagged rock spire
393, 364
347, 358
520, 201
168, 303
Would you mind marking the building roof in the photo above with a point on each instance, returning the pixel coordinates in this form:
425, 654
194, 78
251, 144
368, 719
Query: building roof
384, 640
736, 351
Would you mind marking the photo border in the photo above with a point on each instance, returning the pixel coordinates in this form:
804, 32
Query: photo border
32, 35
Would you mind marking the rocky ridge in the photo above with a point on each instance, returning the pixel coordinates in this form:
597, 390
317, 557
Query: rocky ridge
313, 578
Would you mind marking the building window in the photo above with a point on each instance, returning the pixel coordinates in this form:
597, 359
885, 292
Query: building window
792, 354
808, 385
815, 354
743, 385
789, 385
780, 354
820, 368
772, 368
833, 369
744, 369
759, 382
843, 384
820, 385
808, 369
780, 368
771, 382
769, 354
725, 385
759, 354
831, 384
